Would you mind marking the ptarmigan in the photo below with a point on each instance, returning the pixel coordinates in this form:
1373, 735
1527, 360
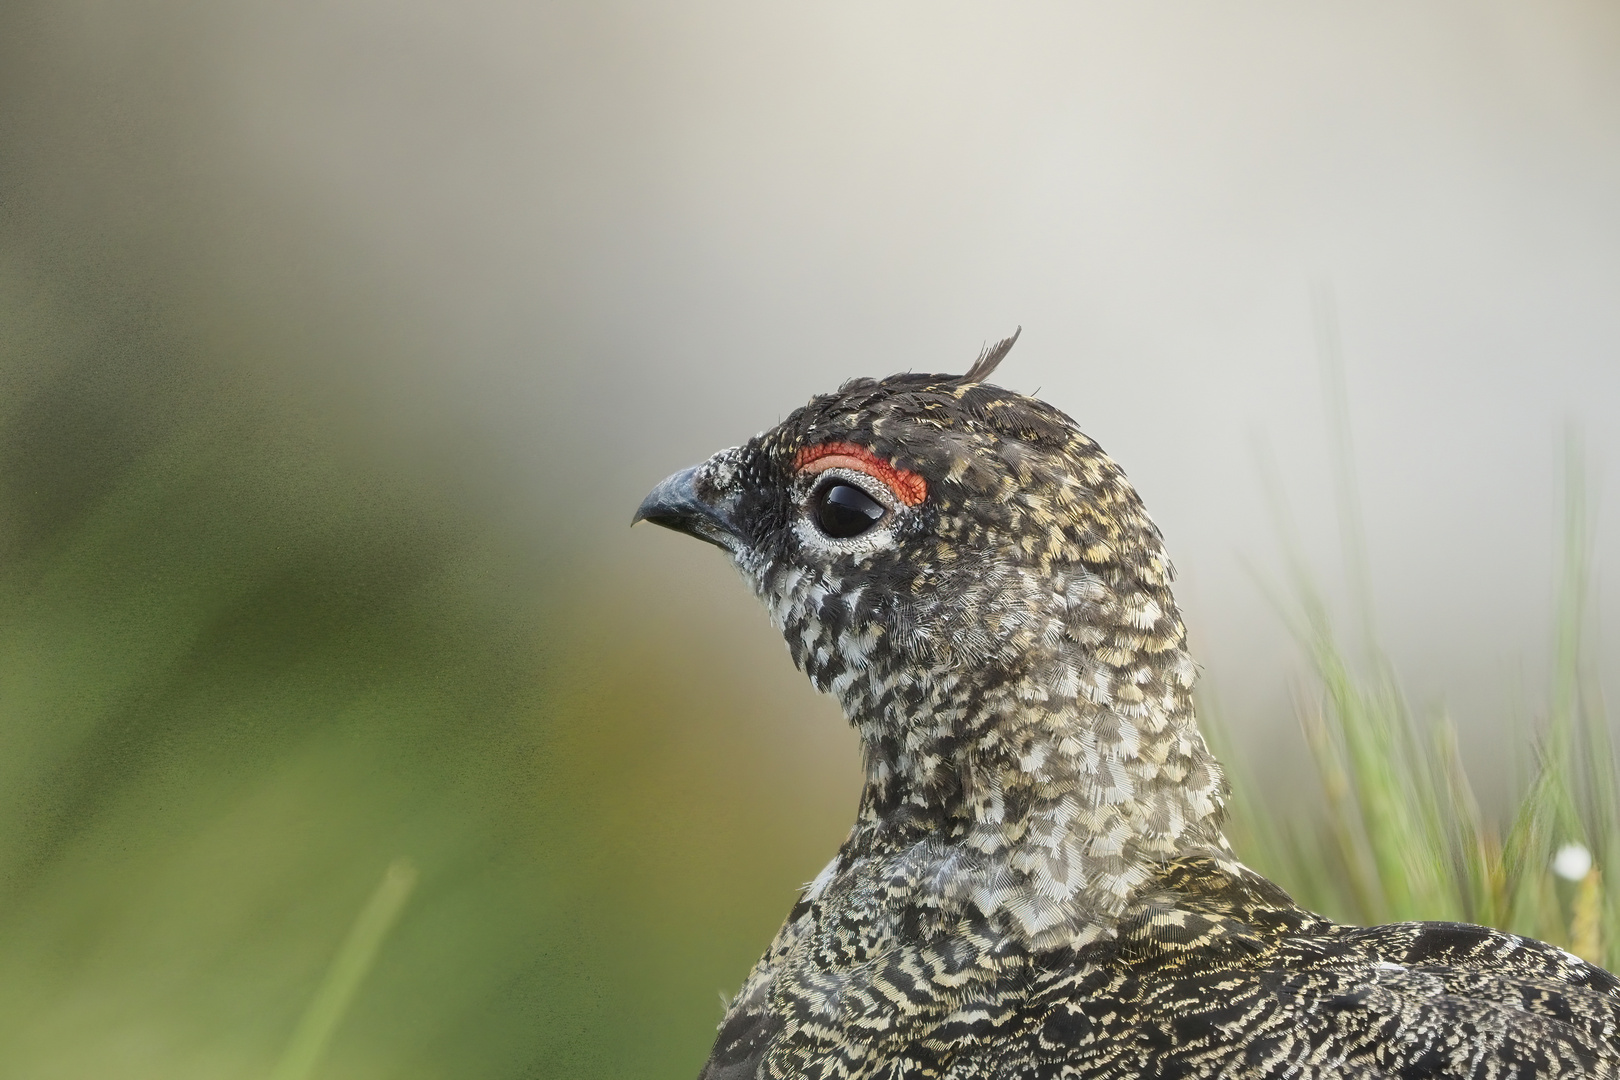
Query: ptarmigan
1037, 884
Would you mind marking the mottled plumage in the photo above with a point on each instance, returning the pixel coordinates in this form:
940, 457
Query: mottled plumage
1037, 884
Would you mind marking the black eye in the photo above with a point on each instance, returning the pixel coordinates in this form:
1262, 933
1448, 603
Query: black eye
844, 510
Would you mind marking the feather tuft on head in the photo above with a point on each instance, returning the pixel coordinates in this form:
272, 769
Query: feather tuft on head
990, 357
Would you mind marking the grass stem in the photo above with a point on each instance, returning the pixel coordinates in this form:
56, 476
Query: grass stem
348, 969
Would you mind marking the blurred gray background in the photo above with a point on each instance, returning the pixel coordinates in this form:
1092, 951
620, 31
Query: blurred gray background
360, 296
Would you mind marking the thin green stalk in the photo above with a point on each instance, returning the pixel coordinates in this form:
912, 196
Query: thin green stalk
1336, 402
348, 969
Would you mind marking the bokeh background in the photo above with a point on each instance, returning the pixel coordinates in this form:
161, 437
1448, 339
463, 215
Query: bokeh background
339, 340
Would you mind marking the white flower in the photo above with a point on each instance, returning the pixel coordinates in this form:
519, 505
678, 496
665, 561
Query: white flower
1572, 862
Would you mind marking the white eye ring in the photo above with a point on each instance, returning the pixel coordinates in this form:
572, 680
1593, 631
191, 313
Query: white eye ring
843, 511
813, 537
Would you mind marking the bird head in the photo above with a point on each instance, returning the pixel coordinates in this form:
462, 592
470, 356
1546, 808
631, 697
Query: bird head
980, 587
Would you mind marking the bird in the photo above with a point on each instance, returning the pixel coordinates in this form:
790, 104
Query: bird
1037, 883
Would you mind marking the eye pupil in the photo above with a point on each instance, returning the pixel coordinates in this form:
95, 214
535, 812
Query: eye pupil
844, 510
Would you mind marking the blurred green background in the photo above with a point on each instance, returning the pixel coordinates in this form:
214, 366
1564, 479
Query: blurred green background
339, 341
245, 668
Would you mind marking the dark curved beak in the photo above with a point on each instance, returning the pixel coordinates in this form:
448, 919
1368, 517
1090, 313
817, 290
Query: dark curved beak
676, 504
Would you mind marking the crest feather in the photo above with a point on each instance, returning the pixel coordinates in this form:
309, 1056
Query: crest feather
989, 357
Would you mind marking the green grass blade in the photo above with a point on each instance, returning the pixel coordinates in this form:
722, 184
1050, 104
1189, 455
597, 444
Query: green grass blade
348, 969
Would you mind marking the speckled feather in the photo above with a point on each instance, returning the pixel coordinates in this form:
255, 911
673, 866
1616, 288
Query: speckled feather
1037, 884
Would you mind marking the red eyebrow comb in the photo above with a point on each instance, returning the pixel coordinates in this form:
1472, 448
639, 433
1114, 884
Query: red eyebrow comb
908, 487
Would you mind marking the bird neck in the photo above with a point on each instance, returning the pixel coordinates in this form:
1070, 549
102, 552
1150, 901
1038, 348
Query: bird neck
1044, 795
